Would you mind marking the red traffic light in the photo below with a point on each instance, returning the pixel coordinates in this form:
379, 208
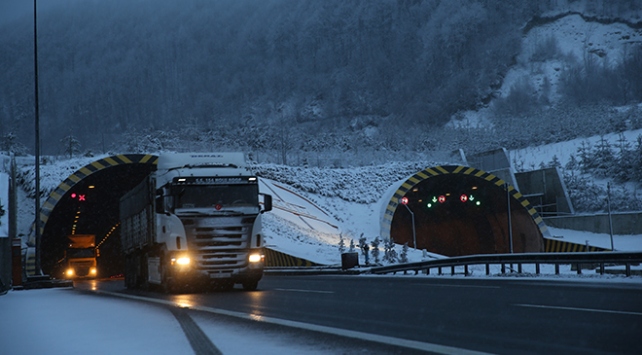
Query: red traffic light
404, 200
441, 199
463, 198
80, 197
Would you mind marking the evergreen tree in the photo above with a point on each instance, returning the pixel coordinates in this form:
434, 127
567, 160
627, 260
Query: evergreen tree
572, 165
389, 252
585, 156
637, 160
625, 160
342, 244
555, 162
375, 250
403, 257
70, 146
10, 144
603, 159
365, 248
352, 246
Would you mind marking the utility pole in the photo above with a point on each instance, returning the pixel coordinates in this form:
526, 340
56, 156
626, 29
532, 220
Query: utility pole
404, 201
37, 124
510, 223
608, 203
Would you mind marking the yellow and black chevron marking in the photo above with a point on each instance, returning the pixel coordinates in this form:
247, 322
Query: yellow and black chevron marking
558, 246
30, 264
462, 170
276, 258
85, 171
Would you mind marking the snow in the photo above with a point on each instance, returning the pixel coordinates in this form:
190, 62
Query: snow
63, 321
534, 156
4, 205
630, 242
576, 39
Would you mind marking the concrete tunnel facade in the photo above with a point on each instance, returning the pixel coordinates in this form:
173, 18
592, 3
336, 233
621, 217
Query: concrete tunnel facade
451, 226
461, 210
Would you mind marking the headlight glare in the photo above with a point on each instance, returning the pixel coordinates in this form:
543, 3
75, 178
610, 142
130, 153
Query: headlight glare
183, 260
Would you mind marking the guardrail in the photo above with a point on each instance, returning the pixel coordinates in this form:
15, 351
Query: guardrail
578, 259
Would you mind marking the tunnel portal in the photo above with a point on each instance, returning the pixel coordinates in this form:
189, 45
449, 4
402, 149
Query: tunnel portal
462, 211
87, 202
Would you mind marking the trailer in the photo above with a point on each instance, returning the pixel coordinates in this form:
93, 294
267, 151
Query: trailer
195, 221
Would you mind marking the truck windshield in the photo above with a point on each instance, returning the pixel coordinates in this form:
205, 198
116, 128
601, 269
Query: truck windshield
80, 253
211, 195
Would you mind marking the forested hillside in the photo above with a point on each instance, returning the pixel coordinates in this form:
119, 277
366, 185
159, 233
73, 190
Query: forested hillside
292, 76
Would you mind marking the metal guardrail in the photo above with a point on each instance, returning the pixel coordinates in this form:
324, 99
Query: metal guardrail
578, 259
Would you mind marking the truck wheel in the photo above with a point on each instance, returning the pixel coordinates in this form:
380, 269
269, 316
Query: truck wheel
250, 285
129, 273
169, 286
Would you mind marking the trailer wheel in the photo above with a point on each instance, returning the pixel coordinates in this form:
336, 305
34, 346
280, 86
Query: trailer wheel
169, 286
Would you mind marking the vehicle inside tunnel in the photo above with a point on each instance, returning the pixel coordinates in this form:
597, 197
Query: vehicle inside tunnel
90, 207
460, 214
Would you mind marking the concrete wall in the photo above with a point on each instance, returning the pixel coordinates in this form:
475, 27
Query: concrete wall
496, 162
623, 223
547, 188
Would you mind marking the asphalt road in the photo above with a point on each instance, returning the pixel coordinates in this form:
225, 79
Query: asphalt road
507, 316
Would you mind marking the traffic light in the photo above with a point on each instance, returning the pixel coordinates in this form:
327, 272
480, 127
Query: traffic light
78, 197
464, 198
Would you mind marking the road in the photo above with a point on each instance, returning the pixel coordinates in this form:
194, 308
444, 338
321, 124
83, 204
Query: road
489, 315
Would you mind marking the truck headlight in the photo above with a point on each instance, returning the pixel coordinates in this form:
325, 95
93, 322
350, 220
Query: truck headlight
70, 272
93, 271
256, 258
183, 260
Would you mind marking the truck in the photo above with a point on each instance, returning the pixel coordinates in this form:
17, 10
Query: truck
80, 256
194, 223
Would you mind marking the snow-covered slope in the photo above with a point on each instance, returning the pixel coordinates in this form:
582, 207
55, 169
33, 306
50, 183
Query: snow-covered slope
551, 46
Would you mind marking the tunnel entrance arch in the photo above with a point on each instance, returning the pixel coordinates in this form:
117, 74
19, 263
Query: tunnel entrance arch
460, 210
87, 202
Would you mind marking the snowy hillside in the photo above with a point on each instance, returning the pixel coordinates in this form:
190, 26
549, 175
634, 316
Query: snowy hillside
555, 44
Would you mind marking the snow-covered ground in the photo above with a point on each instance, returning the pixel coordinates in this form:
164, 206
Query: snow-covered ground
534, 156
4, 205
63, 321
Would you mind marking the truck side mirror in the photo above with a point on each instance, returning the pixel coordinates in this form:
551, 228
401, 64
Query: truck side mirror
267, 203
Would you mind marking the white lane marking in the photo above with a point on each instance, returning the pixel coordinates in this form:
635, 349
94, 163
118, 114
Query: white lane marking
297, 290
382, 339
579, 309
472, 286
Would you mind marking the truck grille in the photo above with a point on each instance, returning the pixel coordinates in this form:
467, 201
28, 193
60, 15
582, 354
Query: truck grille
220, 243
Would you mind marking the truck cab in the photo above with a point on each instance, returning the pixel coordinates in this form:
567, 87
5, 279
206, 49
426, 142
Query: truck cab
80, 257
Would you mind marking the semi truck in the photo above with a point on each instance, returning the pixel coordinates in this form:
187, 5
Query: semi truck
194, 223
80, 256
